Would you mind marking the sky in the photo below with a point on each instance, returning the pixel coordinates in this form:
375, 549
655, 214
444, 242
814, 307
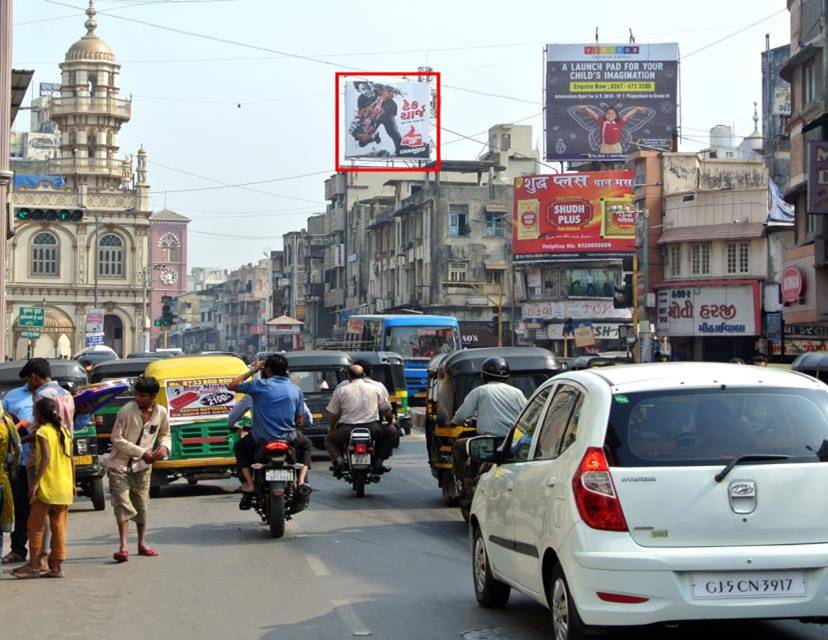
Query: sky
242, 106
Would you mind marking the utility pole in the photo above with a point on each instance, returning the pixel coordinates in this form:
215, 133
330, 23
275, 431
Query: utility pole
635, 316
144, 317
5, 133
96, 259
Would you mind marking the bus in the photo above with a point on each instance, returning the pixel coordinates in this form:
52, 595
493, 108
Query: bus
417, 338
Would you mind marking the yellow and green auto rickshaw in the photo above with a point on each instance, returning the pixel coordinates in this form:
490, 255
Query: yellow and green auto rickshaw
451, 377
194, 391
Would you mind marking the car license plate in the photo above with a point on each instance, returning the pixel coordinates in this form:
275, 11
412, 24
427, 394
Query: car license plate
752, 584
279, 475
360, 459
79, 460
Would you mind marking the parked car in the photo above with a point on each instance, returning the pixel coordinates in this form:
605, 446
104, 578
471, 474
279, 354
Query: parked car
632, 495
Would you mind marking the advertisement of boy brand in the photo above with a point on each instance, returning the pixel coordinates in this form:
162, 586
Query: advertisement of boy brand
574, 216
199, 397
716, 311
603, 100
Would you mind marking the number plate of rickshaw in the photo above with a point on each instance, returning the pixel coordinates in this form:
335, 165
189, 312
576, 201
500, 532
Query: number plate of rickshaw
279, 475
360, 459
79, 460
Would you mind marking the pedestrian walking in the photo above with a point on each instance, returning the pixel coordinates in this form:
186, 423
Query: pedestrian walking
18, 404
9, 462
140, 436
51, 491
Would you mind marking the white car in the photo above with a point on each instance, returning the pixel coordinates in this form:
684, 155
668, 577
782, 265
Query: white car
633, 495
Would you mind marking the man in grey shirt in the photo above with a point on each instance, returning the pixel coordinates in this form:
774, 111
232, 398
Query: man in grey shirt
496, 404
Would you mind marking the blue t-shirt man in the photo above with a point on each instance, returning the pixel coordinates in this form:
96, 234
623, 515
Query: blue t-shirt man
19, 402
276, 403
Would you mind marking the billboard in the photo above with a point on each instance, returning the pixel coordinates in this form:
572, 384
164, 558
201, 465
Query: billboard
602, 99
388, 119
817, 176
573, 216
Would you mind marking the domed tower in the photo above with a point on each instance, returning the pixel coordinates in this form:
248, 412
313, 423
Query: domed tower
89, 114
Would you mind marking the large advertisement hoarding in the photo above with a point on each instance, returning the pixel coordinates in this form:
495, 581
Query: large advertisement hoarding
387, 119
602, 100
573, 216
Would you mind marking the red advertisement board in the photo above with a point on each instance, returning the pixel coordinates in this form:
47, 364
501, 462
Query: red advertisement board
573, 216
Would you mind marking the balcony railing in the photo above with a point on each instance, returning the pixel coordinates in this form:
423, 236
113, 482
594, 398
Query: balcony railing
118, 107
85, 166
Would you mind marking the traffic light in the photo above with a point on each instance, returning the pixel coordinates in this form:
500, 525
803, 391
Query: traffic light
61, 215
567, 327
494, 324
167, 316
623, 295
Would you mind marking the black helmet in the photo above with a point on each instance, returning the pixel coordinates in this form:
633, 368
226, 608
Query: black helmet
495, 368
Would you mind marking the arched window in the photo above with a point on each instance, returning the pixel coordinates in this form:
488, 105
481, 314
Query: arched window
111, 256
45, 254
169, 245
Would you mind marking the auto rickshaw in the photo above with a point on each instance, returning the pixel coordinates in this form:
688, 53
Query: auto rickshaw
89, 470
451, 377
127, 370
317, 373
194, 391
815, 364
591, 362
388, 368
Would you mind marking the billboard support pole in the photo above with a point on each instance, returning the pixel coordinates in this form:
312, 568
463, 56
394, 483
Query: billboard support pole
636, 351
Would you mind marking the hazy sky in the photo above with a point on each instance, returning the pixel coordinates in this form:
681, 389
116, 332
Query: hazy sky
186, 89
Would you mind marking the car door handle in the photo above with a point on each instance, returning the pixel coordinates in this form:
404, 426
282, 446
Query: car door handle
551, 482
510, 485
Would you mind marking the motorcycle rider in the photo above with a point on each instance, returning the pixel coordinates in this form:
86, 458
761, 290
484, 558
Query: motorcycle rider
278, 408
496, 405
358, 404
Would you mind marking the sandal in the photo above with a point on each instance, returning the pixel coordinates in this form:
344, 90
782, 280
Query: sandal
148, 552
25, 573
52, 574
12, 558
120, 556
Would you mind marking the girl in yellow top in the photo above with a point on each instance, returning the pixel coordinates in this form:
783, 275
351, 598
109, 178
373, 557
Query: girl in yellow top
52, 491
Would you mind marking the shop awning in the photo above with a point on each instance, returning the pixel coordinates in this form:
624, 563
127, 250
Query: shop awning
731, 231
19, 86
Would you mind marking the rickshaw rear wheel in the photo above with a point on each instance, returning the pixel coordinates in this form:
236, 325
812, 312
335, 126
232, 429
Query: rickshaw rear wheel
447, 487
97, 495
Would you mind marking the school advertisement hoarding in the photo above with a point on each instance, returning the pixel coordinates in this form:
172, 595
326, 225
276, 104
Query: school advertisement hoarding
603, 100
573, 216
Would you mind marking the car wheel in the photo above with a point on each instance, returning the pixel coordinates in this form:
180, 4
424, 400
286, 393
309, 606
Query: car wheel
489, 591
566, 622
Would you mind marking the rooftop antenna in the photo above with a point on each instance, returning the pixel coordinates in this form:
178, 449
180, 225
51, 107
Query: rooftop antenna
632, 37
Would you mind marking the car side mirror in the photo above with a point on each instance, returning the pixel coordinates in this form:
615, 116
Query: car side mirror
483, 448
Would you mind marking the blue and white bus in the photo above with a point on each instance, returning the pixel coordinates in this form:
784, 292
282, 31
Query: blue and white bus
417, 338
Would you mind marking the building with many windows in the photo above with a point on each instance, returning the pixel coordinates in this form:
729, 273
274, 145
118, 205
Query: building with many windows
70, 265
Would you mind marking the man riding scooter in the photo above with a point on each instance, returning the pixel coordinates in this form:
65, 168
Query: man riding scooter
496, 405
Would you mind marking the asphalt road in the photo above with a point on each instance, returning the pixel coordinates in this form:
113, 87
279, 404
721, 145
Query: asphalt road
393, 565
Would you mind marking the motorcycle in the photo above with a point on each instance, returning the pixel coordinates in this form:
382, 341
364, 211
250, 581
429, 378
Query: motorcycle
359, 457
277, 497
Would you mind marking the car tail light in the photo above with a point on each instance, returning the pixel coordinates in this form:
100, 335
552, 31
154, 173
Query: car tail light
361, 448
620, 598
277, 445
595, 494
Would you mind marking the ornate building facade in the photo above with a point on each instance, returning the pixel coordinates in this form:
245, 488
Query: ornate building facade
68, 265
168, 261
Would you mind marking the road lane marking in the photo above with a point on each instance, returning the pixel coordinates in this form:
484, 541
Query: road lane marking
351, 619
317, 566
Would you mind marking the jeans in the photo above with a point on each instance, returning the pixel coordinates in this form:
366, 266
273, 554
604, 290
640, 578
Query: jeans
384, 436
245, 450
20, 492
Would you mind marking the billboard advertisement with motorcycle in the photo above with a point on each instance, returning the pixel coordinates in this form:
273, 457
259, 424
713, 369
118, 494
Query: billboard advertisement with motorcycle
574, 216
387, 119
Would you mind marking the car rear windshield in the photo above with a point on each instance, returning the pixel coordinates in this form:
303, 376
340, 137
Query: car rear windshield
712, 426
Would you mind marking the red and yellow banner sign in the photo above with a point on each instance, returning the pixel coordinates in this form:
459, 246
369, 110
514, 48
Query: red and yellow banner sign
573, 216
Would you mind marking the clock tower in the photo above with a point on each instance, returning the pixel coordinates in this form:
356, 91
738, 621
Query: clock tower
167, 263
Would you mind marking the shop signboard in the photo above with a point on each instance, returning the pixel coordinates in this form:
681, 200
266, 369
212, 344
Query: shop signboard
818, 176
575, 309
715, 311
31, 317
601, 330
584, 335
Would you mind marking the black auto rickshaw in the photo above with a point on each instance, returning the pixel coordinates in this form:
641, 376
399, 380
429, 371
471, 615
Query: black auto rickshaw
451, 377
127, 370
89, 470
388, 368
591, 362
814, 364
317, 373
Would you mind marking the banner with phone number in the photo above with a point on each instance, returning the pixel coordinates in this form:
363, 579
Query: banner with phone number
199, 397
